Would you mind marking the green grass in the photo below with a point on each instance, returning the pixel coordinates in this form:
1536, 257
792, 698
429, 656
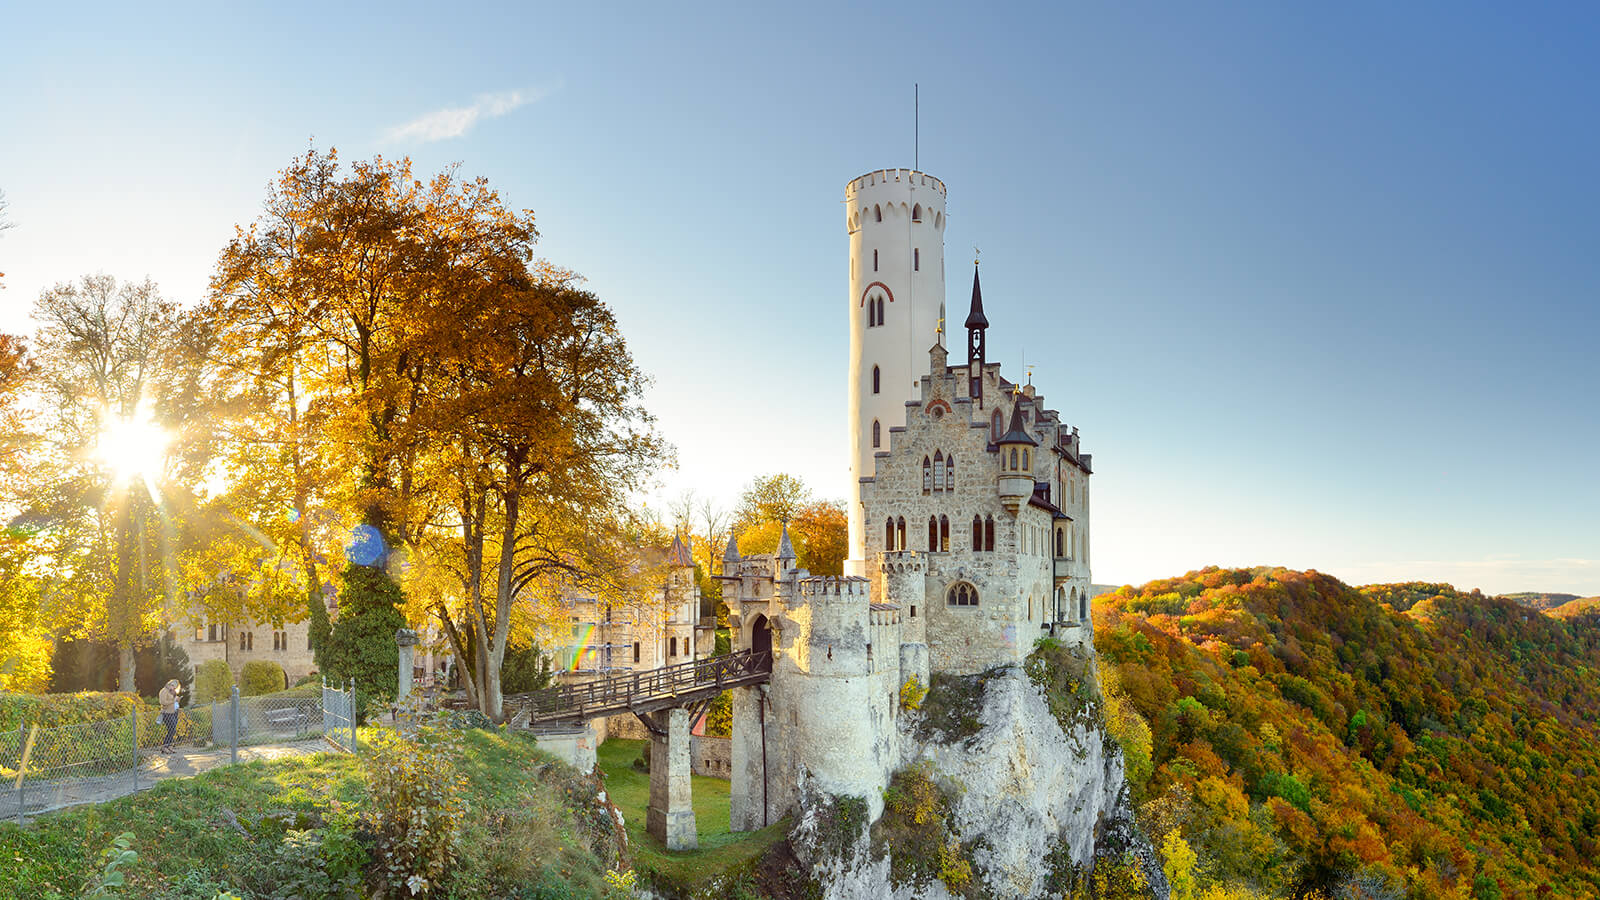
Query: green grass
721, 852
521, 829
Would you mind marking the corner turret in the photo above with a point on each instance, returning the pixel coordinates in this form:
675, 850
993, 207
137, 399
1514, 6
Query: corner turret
1016, 461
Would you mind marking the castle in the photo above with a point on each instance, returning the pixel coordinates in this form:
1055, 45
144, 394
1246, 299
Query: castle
969, 531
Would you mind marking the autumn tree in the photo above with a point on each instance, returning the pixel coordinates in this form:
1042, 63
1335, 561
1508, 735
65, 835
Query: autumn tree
109, 387
25, 644
818, 528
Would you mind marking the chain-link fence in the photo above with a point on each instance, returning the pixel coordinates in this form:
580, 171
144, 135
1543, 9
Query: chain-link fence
339, 715
44, 769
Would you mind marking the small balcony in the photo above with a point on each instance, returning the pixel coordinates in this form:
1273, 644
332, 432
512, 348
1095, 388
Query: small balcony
1065, 568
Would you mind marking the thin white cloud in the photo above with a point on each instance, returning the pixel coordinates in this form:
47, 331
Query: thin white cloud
455, 121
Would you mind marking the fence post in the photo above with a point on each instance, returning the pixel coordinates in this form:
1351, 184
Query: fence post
133, 719
233, 725
350, 710
22, 775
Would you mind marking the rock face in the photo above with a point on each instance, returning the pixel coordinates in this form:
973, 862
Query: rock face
1033, 787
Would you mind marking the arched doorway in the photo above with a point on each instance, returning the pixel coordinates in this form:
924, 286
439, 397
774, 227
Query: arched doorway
761, 641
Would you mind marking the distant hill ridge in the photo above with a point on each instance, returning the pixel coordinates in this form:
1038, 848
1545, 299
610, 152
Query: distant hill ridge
1307, 734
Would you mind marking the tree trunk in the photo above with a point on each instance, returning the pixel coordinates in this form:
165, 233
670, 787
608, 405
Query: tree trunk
125, 666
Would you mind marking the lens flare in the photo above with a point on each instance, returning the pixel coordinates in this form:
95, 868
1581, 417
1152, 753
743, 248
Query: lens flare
133, 447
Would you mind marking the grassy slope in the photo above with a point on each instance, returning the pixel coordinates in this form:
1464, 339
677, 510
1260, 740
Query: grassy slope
179, 826
721, 852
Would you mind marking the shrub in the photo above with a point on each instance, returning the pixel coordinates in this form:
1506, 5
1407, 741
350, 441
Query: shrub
361, 645
525, 669
416, 807
51, 710
212, 681
261, 676
912, 693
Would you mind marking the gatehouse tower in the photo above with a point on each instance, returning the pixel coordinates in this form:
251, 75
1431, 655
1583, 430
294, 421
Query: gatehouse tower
896, 219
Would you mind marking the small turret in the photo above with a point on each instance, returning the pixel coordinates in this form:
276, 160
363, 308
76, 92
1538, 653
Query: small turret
678, 556
730, 555
1016, 460
785, 554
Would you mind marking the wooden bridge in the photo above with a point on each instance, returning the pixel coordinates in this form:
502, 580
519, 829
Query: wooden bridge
690, 685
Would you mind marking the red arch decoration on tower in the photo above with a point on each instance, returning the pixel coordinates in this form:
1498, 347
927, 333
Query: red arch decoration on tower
868, 290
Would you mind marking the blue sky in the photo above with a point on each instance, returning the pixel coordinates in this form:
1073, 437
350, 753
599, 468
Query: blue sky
1320, 287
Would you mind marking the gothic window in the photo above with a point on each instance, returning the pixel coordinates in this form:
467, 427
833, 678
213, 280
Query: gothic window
962, 594
241, 640
944, 532
877, 215
888, 534
933, 533
876, 381
1060, 541
1013, 459
916, 213
988, 533
876, 434
927, 476
1025, 466
880, 309
900, 533
950, 473
916, 259
872, 313
977, 533
1083, 606
938, 470
994, 428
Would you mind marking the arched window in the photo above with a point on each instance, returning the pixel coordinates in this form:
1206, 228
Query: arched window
944, 532
977, 533
916, 213
877, 214
962, 594
988, 533
1083, 606
1061, 533
1025, 466
938, 470
1013, 459
950, 473
888, 534
938, 220
994, 427
880, 309
927, 476
933, 533
900, 533
877, 435
876, 382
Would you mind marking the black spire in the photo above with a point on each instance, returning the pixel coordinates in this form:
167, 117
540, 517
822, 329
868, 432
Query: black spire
977, 324
976, 318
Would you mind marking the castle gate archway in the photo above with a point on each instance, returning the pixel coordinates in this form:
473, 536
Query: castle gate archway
761, 641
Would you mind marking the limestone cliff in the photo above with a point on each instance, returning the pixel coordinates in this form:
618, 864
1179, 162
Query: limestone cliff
1009, 786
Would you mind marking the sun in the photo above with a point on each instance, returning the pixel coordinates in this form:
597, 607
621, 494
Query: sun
134, 447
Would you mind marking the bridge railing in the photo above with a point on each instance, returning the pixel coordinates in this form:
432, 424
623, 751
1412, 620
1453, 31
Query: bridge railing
622, 691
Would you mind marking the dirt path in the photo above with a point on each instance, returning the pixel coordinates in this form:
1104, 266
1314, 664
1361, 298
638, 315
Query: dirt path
45, 796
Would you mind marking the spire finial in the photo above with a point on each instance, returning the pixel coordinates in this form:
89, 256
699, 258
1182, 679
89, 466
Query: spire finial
975, 254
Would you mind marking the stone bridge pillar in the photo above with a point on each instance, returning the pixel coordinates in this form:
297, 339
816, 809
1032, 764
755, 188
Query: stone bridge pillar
670, 816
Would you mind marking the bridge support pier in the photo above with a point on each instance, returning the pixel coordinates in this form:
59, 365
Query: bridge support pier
670, 816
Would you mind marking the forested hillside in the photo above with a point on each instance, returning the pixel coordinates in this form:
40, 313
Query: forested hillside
1389, 740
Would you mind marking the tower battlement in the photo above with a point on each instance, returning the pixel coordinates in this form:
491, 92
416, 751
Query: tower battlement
910, 177
822, 586
903, 562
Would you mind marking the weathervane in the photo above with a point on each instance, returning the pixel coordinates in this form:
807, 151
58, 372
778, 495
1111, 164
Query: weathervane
975, 254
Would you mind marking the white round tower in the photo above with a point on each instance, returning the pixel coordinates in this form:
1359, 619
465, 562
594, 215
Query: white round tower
896, 220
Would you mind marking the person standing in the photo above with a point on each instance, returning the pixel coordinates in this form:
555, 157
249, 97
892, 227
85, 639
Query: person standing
169, 712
